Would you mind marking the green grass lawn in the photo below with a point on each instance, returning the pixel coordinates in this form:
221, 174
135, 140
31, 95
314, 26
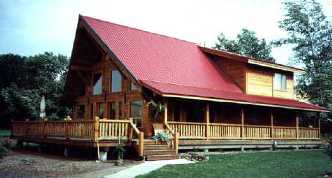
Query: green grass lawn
299, 164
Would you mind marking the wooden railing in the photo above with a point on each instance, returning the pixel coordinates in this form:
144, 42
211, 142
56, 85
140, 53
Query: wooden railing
195, 130
230, 131
256, 132
188, 129
98, 129
284, 132
113, 129
308, 133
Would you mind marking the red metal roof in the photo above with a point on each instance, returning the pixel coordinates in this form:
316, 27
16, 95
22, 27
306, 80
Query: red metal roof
171, 66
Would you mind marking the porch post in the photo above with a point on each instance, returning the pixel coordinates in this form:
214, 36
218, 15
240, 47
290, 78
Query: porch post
297, 125
207, 120
318, 125
242, 122
165, 113
272, 124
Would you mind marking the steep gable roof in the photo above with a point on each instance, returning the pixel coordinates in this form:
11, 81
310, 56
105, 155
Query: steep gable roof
174, 67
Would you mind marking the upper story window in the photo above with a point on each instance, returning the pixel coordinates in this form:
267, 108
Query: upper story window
97, 84
134, 87
116, 85
280, 81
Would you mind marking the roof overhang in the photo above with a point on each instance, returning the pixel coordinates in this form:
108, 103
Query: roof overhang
238, 102
249, 60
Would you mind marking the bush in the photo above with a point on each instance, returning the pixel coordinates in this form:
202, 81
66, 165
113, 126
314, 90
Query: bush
163, 136
3, 151
194, 157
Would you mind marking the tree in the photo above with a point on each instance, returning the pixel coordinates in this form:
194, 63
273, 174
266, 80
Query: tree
246, 43
311, 34
24, 80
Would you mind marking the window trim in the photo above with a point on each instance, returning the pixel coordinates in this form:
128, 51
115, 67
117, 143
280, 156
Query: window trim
93, 75
111, 81
139, 118
282, 76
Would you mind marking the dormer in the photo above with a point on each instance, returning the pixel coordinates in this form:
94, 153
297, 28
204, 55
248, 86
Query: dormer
256, 77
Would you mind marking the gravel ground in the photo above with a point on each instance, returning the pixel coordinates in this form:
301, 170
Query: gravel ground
27, 164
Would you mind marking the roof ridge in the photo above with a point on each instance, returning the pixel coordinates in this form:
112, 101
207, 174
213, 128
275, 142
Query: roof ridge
145, 31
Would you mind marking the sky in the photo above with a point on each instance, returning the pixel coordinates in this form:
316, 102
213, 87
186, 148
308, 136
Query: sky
29, 27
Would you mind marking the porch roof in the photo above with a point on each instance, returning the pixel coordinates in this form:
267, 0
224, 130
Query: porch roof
178, 91
174, 67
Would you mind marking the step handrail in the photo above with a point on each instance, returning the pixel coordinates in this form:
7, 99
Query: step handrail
140, 136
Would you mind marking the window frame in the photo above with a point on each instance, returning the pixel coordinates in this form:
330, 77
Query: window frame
137, 119
111, 81
101, 83
280, 82
118, 115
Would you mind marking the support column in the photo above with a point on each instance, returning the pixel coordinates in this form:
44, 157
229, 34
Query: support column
165, 112
272, 124
318, 125
297, 125
207, 120
242, 123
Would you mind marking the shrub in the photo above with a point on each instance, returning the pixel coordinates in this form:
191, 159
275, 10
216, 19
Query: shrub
3, 151
163, 136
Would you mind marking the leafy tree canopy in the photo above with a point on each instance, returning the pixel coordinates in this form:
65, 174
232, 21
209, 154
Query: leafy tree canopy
246, 43
24, 80
311, 34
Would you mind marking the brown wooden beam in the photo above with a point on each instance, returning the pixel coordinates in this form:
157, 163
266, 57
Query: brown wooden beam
297, 125
207, 120
165, 112
272, 124
318, 124
242, 123
81, 68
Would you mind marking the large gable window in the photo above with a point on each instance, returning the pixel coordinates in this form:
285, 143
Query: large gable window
116, 85
97, 84
280, 82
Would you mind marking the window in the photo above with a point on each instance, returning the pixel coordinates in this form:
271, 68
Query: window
97, 84
136, 112
100, 110
116, 85
133, 87
280, 81
115, 111
80, 111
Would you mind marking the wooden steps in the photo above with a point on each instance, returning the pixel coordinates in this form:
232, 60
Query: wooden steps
155, 151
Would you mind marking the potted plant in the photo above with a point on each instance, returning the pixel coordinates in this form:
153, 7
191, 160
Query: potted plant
163, 137
119, 150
